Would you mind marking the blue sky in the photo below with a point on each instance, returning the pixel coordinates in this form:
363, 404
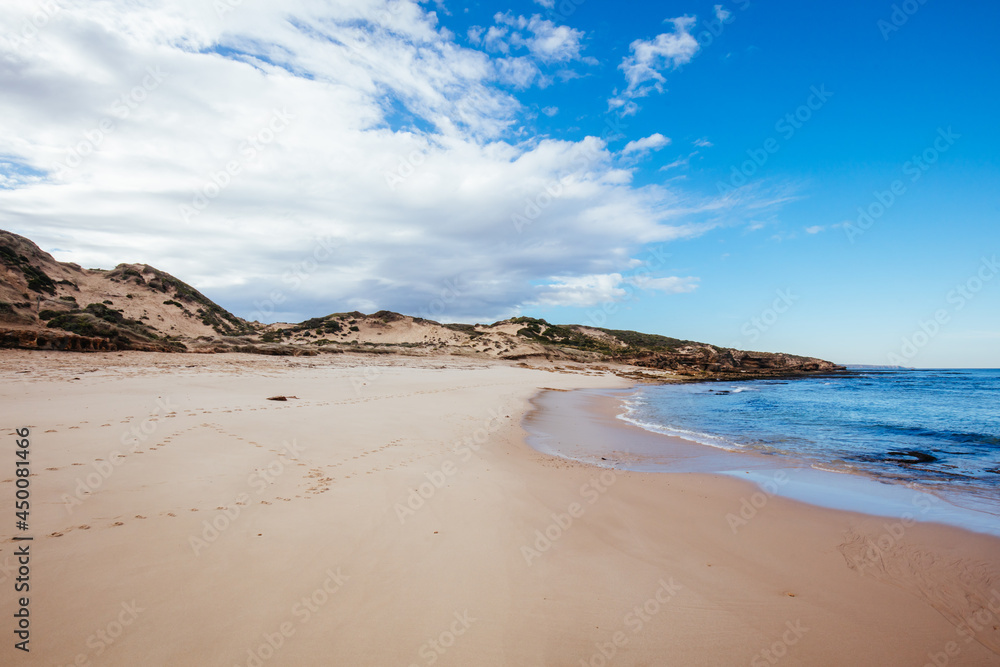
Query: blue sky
856, 300
693, 169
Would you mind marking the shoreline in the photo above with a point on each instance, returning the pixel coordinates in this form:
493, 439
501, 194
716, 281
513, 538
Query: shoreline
394, 512
798, 479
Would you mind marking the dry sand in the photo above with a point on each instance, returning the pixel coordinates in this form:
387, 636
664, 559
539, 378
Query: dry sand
316, 558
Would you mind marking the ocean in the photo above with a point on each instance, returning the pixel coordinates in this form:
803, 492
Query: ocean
936, 430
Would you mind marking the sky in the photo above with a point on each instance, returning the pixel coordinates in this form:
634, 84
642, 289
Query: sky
813, 178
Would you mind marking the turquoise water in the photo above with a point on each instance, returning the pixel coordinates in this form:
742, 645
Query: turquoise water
939, 429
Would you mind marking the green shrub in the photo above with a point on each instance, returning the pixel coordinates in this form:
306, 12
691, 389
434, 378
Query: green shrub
101, 311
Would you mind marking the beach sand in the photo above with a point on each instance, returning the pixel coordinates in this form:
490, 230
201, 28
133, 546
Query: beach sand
392, 514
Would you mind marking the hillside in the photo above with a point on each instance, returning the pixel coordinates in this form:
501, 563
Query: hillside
46, 304
58, 305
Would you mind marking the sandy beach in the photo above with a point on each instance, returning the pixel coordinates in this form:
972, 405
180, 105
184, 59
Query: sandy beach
389, 512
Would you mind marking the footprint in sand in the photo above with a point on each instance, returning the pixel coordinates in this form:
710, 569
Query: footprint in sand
52, 468
55, 534
139, 516
118, 523
171, 514
84, 527
52, 430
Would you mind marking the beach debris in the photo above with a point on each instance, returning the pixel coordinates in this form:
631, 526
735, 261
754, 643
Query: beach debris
281, 398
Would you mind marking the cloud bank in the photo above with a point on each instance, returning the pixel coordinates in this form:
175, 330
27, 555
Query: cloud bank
321, 156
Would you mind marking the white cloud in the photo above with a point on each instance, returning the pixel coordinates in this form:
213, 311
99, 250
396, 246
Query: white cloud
543, 39
519, 72
703, 143
388, 168
722, 13
550, 111
679, 162
495, 39
653, 142
815, 229
554, 43
590, 290
583, 291
669, 285
643, 68
548, 4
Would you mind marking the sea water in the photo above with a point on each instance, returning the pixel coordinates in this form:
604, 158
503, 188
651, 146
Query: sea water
936, 430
